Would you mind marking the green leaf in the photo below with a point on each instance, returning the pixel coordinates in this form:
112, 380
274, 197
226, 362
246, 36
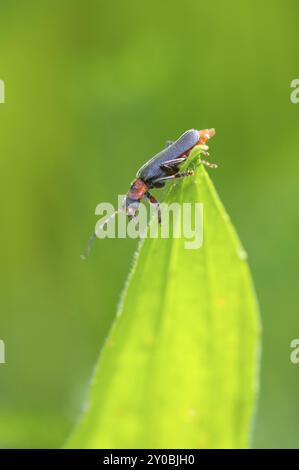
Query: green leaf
179, 369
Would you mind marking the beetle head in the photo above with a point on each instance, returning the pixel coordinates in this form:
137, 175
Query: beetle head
131, 206
136, 192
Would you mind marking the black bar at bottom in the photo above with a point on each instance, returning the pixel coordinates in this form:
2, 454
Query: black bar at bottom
136, 458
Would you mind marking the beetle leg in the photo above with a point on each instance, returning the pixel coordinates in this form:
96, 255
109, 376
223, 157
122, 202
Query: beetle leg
152, 200
172, 166
169, 170
175, 161
171, 177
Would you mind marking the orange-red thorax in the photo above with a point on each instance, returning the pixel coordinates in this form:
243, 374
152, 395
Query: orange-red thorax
137, 189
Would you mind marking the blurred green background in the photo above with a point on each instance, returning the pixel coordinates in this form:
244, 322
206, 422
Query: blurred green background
93, 89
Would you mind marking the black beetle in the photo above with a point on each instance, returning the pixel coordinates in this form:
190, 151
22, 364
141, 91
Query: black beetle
164, 166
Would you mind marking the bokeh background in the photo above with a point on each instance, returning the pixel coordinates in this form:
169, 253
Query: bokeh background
93, 89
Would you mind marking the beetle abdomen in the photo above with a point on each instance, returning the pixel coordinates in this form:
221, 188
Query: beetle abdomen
185, 142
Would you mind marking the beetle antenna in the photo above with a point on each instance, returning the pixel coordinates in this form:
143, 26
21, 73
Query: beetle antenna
88, 246
92, 238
